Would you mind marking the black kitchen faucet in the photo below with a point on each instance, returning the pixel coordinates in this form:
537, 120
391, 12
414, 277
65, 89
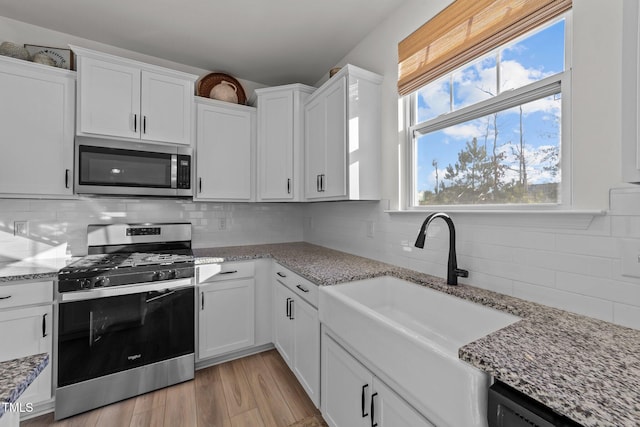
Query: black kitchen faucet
453, 272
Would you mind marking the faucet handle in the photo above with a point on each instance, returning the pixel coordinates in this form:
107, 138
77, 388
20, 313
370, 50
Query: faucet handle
461, 273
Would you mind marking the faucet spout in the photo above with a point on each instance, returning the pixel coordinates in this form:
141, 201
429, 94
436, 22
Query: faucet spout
453, 272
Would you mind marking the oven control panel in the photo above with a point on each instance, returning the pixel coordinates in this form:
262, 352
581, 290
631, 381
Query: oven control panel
143, 231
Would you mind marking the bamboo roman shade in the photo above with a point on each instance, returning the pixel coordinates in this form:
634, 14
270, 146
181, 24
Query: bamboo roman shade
466, 30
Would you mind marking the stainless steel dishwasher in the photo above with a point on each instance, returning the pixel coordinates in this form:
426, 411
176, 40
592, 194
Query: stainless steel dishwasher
511, 408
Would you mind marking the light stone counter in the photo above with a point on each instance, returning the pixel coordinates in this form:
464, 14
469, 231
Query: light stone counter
586, 369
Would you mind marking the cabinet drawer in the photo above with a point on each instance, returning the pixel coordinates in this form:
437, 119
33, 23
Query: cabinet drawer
225, 271
26, 294
307, 290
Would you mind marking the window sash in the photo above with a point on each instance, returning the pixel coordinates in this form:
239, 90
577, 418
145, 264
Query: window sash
464, 31
557, 83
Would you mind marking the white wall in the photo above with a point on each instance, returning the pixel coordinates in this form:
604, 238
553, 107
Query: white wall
567, 261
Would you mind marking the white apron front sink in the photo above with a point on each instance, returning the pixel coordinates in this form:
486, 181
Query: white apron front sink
411, 334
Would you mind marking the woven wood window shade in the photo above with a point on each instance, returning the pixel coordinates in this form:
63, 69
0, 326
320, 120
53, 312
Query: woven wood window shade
466, 30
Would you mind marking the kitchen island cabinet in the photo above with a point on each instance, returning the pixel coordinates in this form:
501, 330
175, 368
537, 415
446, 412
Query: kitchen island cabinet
36, 118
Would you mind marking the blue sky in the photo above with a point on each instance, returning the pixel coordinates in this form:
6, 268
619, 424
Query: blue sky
526, 61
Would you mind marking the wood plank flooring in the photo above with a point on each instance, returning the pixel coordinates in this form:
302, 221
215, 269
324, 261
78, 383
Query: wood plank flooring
256, 391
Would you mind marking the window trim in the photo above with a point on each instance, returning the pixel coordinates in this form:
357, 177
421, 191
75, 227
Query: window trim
497, 103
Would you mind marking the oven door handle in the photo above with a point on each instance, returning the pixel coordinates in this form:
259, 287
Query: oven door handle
136, 288
165, 294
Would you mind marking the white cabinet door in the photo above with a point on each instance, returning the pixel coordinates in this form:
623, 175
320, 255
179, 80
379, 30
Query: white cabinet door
346, 387
224, 151
167, 104
275, 146
226, 317
315, 146
390, 410
283, 326
29, 331
36, 118
109, 98
306, 347
334, 182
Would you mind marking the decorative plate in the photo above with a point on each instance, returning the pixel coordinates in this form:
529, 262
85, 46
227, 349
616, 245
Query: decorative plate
206, 83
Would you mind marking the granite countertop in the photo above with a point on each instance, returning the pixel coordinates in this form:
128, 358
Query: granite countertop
586, 369
17, 374
12, 271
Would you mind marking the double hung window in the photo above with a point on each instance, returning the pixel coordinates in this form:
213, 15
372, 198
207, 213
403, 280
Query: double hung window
491, 131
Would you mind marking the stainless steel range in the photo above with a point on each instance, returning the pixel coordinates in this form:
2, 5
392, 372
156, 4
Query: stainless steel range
126, 315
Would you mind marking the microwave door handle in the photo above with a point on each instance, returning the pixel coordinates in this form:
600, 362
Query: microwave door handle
174, 171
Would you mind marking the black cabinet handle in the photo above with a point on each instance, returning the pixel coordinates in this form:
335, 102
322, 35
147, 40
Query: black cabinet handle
288, 308
44, 325
66, 178
291, 308
229, 272
135, 123
288, 185
7, 297
144, 124
281, 274
199, 185
302, 288
363, 406
322, 182
373, 410
202, 298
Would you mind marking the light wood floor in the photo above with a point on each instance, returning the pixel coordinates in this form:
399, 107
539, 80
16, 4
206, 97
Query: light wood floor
254, 391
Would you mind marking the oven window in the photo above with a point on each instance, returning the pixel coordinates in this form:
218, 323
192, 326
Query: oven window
127, 168
102, 336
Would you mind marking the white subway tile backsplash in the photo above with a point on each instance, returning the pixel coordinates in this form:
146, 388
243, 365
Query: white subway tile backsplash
572, 268
626, 315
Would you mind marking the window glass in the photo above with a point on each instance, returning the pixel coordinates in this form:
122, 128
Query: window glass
489, 133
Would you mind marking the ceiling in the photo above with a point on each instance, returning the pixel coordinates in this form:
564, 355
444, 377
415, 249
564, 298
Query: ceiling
267, 41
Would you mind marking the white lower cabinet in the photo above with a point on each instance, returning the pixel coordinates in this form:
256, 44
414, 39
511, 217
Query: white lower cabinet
353, 396
28, 325
296, 331
226, 315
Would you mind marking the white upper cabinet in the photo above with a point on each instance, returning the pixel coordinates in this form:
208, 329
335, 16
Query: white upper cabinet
342, 140
280, 142
36, 118
225, 151
631, 92
126, 99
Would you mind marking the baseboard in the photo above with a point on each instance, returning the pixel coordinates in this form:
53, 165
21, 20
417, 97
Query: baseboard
205, 363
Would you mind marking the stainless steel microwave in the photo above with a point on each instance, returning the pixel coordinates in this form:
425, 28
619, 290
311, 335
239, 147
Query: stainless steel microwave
111, 167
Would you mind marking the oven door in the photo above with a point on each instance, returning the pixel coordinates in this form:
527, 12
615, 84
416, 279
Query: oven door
108, 330
117, 168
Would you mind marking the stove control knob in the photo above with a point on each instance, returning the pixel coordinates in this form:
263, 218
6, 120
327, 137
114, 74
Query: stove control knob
172, 274
84, 283
100, 282
158, 275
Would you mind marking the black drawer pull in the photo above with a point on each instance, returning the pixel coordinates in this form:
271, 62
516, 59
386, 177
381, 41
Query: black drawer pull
288, 308
291, 308
281, 274
288, 185
229, 272
44, 325
303, 289
363, 406
66, 178
135, 123
373, 410
7, 297
202, 298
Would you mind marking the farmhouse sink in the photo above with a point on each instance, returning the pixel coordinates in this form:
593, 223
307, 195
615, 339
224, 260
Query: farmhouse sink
409, 335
